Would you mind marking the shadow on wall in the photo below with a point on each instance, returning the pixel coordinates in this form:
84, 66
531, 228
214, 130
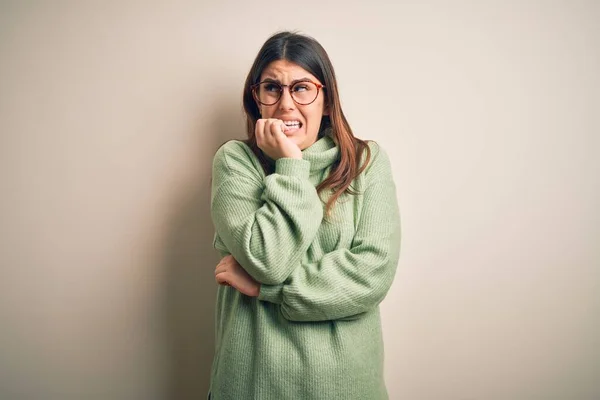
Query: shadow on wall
190, 260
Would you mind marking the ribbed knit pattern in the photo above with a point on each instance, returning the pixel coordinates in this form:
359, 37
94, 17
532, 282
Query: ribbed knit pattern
315, 331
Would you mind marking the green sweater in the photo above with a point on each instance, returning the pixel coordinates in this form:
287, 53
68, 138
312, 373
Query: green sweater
314, 332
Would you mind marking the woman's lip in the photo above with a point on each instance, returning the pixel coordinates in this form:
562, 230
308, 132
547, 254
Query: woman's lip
291, 129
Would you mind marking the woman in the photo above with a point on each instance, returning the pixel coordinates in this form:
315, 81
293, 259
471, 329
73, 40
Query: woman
307, 222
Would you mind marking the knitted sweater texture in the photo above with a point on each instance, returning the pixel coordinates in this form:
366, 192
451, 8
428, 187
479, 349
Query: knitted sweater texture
314, 332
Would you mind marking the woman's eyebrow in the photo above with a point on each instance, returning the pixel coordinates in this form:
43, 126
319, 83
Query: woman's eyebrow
305, 79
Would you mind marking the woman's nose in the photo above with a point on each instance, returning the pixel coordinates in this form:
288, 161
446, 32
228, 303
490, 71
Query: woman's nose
286, 102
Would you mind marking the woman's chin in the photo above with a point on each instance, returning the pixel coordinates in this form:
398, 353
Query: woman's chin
294, 138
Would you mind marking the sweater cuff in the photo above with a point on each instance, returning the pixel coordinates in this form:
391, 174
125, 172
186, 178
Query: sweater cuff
271, 293
292, 167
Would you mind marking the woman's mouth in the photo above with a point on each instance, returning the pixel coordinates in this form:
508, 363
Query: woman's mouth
292, 126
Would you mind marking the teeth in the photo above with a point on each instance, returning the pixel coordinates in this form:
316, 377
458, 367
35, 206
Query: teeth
292, 123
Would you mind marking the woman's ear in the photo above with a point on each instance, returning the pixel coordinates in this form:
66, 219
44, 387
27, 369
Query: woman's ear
326, 110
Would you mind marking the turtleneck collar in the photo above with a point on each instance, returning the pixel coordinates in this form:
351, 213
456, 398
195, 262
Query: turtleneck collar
322, 153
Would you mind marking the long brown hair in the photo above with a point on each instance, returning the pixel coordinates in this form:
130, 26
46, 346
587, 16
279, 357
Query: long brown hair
309, 54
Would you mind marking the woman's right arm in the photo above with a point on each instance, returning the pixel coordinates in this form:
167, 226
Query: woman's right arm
267, 224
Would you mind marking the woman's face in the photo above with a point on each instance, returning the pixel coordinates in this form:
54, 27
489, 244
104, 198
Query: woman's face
309, 116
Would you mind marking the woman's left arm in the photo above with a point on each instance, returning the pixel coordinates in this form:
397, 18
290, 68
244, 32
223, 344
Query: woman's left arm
348, 282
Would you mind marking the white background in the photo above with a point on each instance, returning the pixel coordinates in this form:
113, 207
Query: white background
110, 113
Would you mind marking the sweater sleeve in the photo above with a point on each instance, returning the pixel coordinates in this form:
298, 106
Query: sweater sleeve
346, 283
267, 224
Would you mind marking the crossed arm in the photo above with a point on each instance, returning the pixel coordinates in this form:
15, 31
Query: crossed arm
268, 236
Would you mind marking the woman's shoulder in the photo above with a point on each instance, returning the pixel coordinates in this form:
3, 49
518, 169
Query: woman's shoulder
232, 147
377, 159
234, 151
235, 156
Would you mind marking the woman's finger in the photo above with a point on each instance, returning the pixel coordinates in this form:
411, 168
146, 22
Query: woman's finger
276, 129
267, 137
259, 132
221, 268
222, 279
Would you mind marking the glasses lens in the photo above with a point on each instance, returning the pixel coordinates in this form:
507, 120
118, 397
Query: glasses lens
304, 92
268, 93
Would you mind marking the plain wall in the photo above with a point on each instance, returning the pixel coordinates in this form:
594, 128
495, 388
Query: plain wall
110, 113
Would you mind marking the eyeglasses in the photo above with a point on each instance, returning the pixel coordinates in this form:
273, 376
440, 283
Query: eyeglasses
303, 92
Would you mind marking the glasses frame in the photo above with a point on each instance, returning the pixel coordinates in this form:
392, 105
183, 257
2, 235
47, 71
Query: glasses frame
256, 85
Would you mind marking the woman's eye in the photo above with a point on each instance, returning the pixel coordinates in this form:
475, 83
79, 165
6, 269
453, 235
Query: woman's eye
300, 88
271, 87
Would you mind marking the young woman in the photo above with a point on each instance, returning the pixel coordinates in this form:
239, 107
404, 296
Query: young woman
307, 222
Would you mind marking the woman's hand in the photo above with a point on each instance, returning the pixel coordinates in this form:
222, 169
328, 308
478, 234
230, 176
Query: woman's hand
230, 273
273, 142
